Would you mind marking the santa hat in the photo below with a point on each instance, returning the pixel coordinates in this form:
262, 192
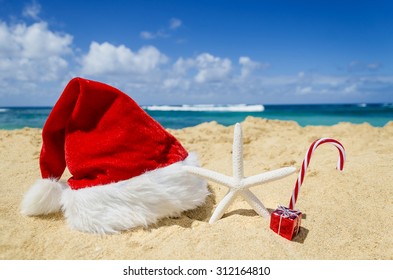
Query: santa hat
126, 168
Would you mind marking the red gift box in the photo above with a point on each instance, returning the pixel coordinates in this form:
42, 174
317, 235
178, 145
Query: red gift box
286, 222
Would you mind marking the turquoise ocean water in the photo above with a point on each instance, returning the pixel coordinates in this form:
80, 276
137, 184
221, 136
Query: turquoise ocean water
190, 115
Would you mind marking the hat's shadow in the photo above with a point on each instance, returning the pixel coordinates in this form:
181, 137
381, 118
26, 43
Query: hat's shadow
58, 216
187, 218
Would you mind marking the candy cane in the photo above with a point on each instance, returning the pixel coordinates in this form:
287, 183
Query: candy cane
306, 162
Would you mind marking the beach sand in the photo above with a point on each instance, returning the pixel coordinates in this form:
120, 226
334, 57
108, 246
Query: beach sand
347, 215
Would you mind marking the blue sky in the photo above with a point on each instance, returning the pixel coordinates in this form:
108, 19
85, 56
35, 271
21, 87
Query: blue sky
199, 52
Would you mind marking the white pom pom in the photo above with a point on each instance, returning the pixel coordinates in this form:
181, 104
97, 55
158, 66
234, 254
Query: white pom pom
42, 198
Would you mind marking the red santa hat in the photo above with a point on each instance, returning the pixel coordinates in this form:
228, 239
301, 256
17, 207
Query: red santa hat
126, 168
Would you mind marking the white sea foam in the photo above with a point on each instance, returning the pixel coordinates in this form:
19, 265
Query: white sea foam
207, 108
3, 110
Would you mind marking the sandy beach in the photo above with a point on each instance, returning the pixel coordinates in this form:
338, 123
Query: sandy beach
347, 215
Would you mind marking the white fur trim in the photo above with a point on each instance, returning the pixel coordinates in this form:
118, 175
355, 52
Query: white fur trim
140, 201
43, 197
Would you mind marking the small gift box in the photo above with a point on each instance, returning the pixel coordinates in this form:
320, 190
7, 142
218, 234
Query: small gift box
286, 222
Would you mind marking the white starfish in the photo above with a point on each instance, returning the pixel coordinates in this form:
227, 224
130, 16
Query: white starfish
238, 184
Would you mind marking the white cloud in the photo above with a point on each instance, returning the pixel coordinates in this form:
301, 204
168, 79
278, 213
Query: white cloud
33, 53
181, 66
211, 68
303, 90
208, 68
179, 83
147, 35
248, 66
167, 32
32, 10
175, 23
106, 58
373, 66
350, 89
359, 66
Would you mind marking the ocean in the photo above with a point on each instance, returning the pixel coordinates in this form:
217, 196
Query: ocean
180, 116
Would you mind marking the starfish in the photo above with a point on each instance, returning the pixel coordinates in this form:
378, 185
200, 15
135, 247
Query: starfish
238, 184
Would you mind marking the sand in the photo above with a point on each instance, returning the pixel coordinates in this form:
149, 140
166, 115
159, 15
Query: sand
347, 215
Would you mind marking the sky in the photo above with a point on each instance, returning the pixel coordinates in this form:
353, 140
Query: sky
198, 51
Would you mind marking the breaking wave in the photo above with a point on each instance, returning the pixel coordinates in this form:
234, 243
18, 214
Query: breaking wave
207, 108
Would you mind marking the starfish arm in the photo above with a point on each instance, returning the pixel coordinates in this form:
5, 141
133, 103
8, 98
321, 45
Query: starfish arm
210, 175
255, 203
237, 153
268, 176
223, 206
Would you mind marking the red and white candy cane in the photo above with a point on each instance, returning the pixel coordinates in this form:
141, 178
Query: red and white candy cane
306, 162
